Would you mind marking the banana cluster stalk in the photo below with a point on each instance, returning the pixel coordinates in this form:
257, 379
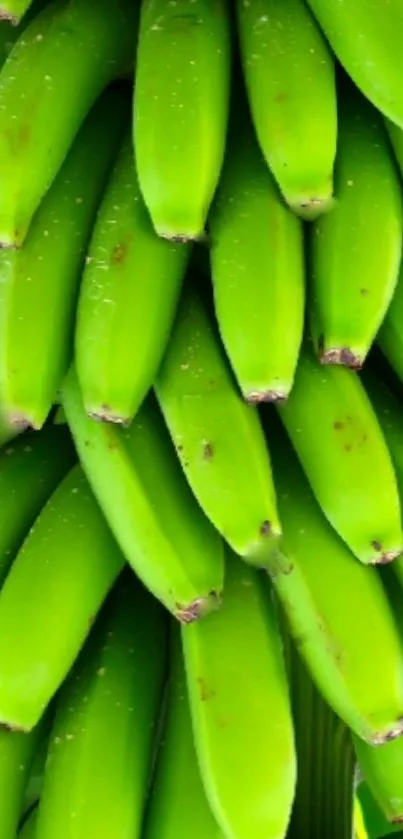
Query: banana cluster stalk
290, 79
68, 54
99, 760
131, 277
181, 104
228, 471
257, 272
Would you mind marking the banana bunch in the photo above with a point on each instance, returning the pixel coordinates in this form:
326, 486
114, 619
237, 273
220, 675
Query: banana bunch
201, 417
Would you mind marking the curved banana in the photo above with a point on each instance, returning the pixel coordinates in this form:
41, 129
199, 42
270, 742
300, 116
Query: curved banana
257, 269
99, 760
138, 482
353, 282
68, 54
55, 587
336, 609
241, 711
390, 335
177, 805
181, 104
17, 753
40, 280
366, 40
30, 470
218, 439
290, 79
336, 435
131, 276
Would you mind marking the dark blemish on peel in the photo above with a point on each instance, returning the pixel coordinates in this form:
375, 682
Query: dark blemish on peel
208, 451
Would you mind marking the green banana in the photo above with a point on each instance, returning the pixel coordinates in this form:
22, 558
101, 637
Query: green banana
68, 54
339, 442
39, 281
336, 609
131, 276
382, 768
30, 470
55, 587
17, 752
34, 786
241, 711
12, 27
290, 79
28, 829
323, 805
352, 282
218, 439
158, 524
396, 138
257, 267
367, 41
14, 10
99, 760
390, 335
181, 104
177, 805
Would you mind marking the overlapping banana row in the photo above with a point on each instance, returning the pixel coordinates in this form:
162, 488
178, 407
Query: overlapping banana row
172, 262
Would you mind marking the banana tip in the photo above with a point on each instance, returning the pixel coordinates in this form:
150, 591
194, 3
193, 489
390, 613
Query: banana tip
387, 736
383, 557
198, 608
105, 414
256, 397
340, 355
310, 209
5, 15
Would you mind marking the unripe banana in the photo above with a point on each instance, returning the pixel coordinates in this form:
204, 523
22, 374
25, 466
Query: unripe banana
138, 482
390, 335
55, 587
396, 138
336, 435
12, 28
177, 805
181, 103
39, 281
30, 470
353, 282
382, 768
34, 786
67, 55
218, 439
366, 40
131, 276
336, 609
240, 710
99, 760
257, 266
17, 752
290, 79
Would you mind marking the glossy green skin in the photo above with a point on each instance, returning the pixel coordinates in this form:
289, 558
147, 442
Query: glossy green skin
290, 79
9, 31
366, 38
99, 760
158, 524
241, 711
396, 138
17, 753
43, 276
383, 771
336, 435
177, 804
131, 277
336, 609
181, 103
218, 439
95, 41
28, 830
30, 470
258, 273
55, 587
390, 335
352, 281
